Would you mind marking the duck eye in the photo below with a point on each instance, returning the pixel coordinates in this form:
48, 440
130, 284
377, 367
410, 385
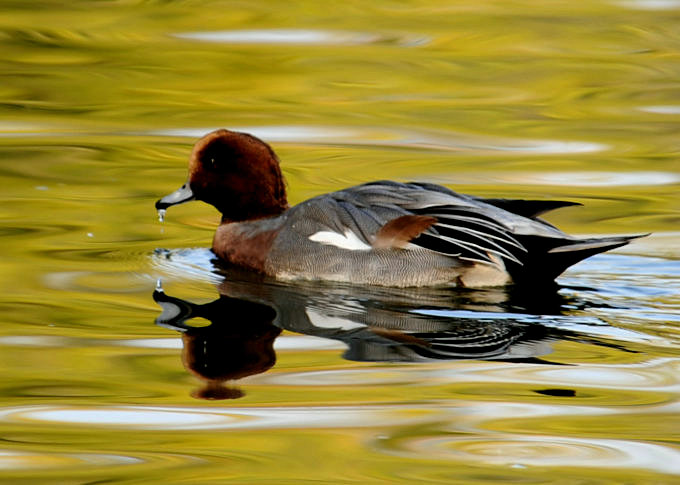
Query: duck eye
211, 162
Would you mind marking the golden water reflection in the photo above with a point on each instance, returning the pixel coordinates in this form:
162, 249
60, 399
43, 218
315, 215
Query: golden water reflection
100, 103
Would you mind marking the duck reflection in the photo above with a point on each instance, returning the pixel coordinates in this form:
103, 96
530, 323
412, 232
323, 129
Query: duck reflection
238, 342
375, 324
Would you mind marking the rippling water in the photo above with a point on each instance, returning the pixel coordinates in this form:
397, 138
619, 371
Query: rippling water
215, 376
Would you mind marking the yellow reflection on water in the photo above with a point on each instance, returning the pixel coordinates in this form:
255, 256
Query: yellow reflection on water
99, 105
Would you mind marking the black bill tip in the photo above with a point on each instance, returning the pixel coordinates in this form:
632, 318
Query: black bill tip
179, 196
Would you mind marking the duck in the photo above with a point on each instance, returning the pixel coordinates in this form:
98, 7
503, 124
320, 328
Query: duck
385, 233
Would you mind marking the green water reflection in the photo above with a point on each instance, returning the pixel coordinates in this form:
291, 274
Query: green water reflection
99, 104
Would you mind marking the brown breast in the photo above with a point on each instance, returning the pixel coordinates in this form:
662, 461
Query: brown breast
239, 244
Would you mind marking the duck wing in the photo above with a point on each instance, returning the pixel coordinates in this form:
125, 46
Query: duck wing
538, 250
417, 216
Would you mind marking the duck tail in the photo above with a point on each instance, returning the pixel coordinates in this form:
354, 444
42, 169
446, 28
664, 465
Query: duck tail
569, 252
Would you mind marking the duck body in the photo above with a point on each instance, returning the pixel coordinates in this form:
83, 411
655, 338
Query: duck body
380, 233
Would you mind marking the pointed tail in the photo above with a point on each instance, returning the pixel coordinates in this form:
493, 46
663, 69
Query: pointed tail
569, 252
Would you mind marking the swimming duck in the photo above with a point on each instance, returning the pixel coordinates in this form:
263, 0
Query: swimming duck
381, 233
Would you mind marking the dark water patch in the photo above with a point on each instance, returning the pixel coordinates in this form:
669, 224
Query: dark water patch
557, 392
47, 38
55, 390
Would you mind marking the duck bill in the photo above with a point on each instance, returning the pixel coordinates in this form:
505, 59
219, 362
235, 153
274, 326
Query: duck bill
179, 196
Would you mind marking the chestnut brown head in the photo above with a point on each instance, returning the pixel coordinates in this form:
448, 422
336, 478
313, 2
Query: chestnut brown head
237, 173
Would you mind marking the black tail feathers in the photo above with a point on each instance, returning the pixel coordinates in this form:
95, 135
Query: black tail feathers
552, 259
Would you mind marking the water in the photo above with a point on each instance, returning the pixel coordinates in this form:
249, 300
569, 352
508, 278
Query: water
107, 378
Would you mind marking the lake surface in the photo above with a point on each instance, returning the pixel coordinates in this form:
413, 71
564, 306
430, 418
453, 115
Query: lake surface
219, 377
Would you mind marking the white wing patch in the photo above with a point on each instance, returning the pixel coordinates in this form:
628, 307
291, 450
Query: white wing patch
349, 240
319, 320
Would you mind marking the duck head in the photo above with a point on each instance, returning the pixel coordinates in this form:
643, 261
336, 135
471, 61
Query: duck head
237, 173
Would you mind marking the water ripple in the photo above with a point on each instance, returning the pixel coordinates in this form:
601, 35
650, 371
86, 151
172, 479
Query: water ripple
455, 433
96, 281
654, 375
652, 381
302, 37
283, 343
465, 413
188, 263
662, 109
194, 418
598, 179
399, 138
523, 451
30, 460
650, 4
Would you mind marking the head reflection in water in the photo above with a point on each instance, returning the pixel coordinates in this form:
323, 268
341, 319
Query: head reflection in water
237, 343
219, 355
